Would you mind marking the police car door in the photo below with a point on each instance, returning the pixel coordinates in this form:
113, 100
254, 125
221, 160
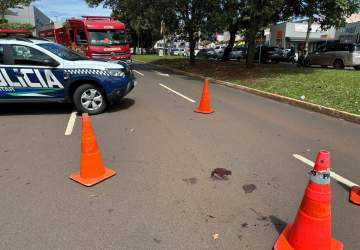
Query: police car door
30, 74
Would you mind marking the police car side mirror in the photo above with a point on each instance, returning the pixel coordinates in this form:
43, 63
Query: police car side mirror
51, 62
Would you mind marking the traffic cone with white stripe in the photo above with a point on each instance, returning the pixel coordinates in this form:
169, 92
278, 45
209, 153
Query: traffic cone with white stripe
92, 169
312, 227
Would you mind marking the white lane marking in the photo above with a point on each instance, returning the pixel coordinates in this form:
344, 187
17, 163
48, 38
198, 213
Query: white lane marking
179, 94
138, 72
334, 175
161, 74
71, 123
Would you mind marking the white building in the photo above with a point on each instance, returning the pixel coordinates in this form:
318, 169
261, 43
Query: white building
293, 34
31, 15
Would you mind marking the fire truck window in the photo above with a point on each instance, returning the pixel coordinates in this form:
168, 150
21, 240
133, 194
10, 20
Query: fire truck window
107, 37
81, 38
24, 55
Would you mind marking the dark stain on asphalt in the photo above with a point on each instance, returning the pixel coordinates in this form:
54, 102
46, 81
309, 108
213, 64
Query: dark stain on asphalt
260, 217
157, 240
211, 216
191, 180
240, 237
90, 203
249, 188
28, 183
110, 210
244, 225
6, 150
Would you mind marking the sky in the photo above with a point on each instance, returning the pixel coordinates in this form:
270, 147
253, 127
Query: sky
59, 10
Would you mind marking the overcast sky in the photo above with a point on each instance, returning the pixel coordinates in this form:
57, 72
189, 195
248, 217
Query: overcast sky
58, 10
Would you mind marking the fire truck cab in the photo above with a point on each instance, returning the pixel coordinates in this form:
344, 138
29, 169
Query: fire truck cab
95, 37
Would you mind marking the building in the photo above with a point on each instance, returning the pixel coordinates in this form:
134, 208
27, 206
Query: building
30, 14
293, 34
351, 32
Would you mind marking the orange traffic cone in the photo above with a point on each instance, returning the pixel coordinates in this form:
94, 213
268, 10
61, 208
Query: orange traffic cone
355, 195
204, 106
312, 227
92, 169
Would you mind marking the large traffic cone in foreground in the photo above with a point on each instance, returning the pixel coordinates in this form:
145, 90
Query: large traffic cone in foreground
312, 227
355, 195
204, 106
92, 169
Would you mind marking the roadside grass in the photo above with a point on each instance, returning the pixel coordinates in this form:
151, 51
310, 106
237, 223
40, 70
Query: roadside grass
339, 89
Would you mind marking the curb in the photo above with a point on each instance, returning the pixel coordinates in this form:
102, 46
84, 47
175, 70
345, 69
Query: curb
294, 102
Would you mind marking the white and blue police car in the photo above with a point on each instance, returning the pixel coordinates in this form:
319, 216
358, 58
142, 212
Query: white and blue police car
37, 70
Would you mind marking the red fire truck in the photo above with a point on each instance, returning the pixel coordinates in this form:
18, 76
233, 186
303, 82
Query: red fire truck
93, 36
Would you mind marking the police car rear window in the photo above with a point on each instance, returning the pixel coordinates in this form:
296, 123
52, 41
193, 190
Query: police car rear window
62, 52
1, 54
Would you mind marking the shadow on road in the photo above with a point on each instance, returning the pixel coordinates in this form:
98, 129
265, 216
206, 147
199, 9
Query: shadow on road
7, 109
278, 223
123, 104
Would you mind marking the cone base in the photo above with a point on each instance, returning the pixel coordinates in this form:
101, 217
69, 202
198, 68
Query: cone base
283, 244
204, 112
88, 182
355, 195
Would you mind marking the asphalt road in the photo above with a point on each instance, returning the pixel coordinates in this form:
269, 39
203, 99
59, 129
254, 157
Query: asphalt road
162, 196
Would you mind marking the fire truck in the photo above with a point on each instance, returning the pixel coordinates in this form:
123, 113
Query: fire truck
93, 36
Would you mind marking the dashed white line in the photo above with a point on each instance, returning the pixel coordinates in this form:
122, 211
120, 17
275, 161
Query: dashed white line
71, 123
161, 74
175, 92
334, 175
138, 72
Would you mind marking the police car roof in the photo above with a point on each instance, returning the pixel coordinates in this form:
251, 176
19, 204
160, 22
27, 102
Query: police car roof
11, 39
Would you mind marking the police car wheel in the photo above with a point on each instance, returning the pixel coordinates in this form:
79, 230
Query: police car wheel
89, 99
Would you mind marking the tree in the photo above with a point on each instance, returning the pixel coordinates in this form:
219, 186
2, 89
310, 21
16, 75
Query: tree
194, 15
327, 12
227, 17
7, 4
256, 15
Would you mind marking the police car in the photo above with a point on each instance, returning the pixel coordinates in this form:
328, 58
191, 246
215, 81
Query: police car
36, 70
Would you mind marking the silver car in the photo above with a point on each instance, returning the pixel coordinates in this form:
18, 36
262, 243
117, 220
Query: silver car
338, 55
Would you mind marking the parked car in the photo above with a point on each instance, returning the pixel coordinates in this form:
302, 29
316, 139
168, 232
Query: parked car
206, 54
338, 55
238, 53
268, 54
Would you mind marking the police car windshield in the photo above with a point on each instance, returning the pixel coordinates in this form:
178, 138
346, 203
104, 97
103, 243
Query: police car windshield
107, 37
62, 52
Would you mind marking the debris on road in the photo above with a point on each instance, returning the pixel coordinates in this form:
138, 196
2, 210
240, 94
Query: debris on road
220, 173
249, 188
215, 236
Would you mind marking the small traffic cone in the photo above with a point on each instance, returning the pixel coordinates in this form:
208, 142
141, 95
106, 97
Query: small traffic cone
92, 169
312, 227
355, 195
204, 106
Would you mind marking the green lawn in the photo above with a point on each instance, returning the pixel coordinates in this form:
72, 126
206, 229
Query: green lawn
153, 58
338, 89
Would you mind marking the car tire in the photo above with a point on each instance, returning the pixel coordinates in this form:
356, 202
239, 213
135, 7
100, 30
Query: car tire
90, 99
357, 67
338, 64
324, 66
